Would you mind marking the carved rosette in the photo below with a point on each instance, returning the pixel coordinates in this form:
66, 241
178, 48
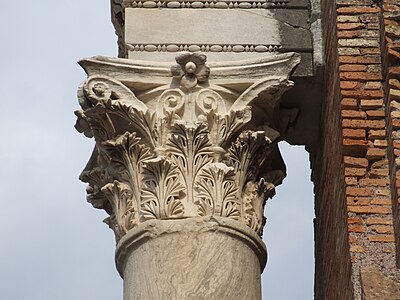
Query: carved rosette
178, 142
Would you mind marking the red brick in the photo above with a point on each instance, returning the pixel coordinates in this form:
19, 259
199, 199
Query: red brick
380, 164
394, 114
375, 153
394, 94
355, 220
373, 124
354, 114
395, 105
352, 67
356, 172
348, 103
379, 173
351, 180
381, 238
394, 83
371, 104
376, 114
347, 33
368, 209
371, 51
350, 26
357, 249
393, 54
373, 85
395, 124
350, 85
371, 18
357, 10
354, 133
358, 200
382, 229
375, 220
356, 228
355, 143
382, 192
368, 94
381, 201
374, 182
347, 19
394, 71
355, 162
360, 59
376, 134
380, 143
362, 76
356, 191
352, 239
387, 22
368, 33
396, 144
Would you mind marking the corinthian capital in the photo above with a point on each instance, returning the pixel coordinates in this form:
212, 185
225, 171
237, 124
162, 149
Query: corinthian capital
183, 141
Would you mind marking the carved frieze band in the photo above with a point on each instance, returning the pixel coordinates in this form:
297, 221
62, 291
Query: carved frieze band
206, 4
185, 147
203, 48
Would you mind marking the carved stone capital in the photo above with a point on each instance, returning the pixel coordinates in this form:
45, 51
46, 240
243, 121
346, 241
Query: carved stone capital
183, 141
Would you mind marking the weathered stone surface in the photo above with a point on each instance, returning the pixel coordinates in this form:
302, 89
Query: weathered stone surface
201, 28
201, 258
250, 34
184, 141
226, 30
377, 286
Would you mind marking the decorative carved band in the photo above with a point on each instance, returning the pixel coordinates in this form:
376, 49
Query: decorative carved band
203, 48
183, 146
206, 4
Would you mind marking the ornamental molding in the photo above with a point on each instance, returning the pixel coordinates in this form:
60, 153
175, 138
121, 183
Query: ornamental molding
195, 4
202, 48
183, 141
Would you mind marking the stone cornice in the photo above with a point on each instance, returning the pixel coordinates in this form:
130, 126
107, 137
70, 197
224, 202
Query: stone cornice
118, 8
183, 141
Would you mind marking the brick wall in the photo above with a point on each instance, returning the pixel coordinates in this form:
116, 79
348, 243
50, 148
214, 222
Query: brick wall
392, 88
332, 271
356, 178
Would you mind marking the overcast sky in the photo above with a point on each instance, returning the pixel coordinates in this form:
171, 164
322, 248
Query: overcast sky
54, 245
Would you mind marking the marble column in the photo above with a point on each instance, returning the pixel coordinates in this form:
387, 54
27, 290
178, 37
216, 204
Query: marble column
185, 158
186, 127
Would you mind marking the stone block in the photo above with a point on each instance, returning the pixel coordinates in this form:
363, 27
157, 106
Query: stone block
223, 34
